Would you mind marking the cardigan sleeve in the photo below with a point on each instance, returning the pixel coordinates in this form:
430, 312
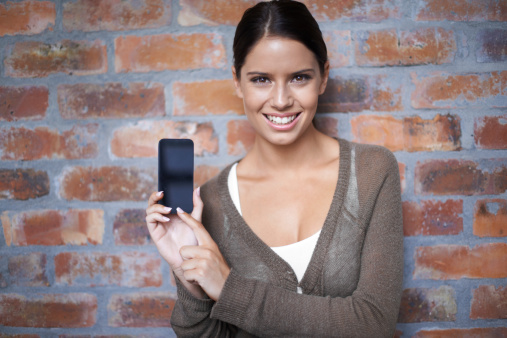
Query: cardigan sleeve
370, 311
263, 309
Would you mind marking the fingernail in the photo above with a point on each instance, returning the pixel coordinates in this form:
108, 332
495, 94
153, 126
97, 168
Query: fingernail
198, 191
167, 209
178, 209
160, 193
165, 219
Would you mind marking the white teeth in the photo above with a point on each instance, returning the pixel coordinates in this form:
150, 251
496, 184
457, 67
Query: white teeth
281, 120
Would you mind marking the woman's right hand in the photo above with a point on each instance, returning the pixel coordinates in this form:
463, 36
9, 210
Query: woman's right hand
170, 233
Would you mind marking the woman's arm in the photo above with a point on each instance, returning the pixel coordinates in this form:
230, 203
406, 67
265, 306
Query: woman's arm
263, 309
372, 310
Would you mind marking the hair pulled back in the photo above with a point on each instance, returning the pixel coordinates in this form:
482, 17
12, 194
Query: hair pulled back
282, 18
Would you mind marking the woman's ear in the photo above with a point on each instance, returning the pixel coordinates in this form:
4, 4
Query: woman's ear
236, 83
325, 76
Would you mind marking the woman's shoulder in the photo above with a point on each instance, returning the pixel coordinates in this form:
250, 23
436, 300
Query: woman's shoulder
373, 156
370, 164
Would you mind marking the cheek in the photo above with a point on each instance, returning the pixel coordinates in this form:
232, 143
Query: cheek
254, 99
308, 97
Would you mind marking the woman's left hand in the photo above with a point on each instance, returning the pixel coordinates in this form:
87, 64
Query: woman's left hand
203, 264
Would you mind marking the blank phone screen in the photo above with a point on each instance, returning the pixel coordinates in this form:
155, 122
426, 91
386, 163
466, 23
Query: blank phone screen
176, 173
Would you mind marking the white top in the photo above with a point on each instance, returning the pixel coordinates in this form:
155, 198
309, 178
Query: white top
297, 255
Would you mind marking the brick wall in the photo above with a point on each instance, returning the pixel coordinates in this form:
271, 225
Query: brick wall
87, 89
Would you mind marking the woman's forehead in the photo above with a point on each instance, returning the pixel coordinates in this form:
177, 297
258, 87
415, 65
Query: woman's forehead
279, 54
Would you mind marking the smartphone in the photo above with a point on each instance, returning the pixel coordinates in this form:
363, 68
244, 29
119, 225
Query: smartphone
176, 173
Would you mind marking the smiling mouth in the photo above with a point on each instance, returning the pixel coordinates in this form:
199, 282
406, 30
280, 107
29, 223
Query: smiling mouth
281, 120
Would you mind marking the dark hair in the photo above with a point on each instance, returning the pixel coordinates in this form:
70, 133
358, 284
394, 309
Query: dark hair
283, 18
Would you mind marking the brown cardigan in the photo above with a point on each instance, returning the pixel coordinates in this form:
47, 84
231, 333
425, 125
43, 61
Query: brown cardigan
352, 286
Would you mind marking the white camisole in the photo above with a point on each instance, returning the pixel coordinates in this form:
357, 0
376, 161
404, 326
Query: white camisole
297, 255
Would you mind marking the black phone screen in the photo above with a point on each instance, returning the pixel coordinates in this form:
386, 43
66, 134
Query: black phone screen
176, 173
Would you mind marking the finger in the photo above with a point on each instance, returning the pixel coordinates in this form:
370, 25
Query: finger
198, 205
158, 208
193, 252
155, 197
152, 221
200, 232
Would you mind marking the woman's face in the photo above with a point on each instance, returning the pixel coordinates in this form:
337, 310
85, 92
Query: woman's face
280, 85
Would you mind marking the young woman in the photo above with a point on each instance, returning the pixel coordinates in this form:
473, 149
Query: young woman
301, 237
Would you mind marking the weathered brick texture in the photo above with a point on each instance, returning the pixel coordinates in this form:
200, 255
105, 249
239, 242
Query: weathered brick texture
130, 269
38, 59
70, 310
112, 15
155, 53
88, 88
23, 184
23, 103
111, 100
460, 261
141, 310
53, 227
428, 305
26, 17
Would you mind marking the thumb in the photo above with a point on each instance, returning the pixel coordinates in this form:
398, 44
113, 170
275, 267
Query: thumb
198, 205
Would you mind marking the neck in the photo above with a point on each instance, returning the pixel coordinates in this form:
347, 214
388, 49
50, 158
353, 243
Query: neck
301, 154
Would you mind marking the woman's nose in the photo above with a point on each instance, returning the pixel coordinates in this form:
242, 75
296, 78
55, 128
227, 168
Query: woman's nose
282, 97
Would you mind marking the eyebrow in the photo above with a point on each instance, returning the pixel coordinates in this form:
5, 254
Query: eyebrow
298, 72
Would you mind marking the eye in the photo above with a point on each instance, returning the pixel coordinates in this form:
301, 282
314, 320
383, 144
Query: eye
301, 78
260, 79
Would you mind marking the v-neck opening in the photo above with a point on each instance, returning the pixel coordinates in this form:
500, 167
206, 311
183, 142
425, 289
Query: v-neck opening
268, 256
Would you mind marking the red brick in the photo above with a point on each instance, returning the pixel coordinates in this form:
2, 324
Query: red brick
157, 52
240, 137
203, 173
23, 103
23, 184
70, 310
441, 90
428, 305
141, 139
493, 45
129, 228
355, 94
108, 183
489, 302
490, 218
403, 181
212, 12
213, 97
444, 262
45, 143
113, 15
486, 332
151, 309
26, 17
28, 270
490, 132
39, 59
357, 10
461, 10
461, 177
441, 133
432, 218
53, 227
111, 100
339, 48
327, 125
392, 48
131, 269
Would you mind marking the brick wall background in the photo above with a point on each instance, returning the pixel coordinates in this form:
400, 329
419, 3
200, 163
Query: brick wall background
88, 87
